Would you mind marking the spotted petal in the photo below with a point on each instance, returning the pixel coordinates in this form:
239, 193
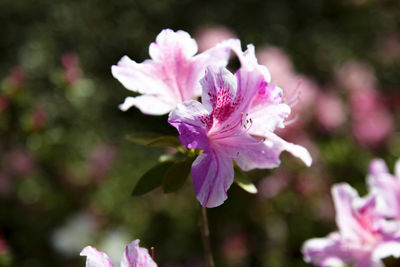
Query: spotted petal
219, 92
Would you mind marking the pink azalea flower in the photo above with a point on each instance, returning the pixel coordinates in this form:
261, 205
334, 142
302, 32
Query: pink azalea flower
235, 109
372, 122
330, 111
364, 237
208, 37
171, 76
385, 186
134, 256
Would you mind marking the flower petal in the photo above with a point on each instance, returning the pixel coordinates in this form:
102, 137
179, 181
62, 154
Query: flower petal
170, 43
173, 75
386, 249
143, 78
250, 82
397, 169
148, 104
95, 258
135, 256
212, 175
355, 217
191, 120
248, 60
386, 187
378, 166
216, 56
275, 142
248, 152
219, 92
325, 251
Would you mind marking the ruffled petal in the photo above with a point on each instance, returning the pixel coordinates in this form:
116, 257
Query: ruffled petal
276, 143
248, 60
148, 104
95, 258
191, 120
170, 43
135, 256
143, 78
212, 175
173, 75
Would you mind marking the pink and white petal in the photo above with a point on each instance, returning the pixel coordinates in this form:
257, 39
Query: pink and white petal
169, 42
192, 121
219, 90
397, 169
135, 256
275, 142
218, 55
325, 251
386, 249
386, 187
248, 60
144, 78
378, 166
148, 104
95, 258
355, 217
212, 176
172, 53
267, 117
248, 152
343, 198
367, 261
250, 81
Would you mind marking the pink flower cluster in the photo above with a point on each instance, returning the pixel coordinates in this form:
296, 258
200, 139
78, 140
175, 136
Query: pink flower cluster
372, 122
368, 227
237, 115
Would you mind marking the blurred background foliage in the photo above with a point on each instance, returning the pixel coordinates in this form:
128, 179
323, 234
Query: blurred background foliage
67, 170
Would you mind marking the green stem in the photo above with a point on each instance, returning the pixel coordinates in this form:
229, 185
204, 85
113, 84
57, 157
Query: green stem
205, 234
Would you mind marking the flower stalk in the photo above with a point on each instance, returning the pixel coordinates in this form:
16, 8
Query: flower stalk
205, 235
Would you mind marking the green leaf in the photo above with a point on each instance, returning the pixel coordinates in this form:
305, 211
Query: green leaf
153, 139
151, 179
242, 180
176, 175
